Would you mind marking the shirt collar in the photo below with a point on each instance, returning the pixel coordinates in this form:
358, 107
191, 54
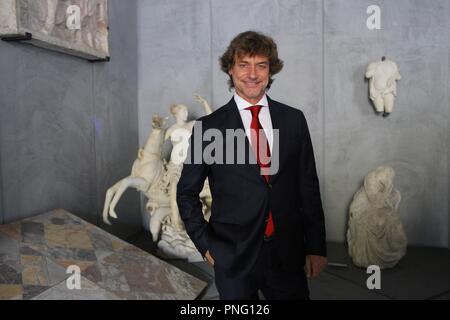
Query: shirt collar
242, 103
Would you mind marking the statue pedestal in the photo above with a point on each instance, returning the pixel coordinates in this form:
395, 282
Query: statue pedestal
177, 244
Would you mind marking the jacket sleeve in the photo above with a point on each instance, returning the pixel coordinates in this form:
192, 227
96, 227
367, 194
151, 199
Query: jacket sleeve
189, 187
313, 216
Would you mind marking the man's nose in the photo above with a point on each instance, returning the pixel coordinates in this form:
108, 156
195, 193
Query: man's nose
253, 73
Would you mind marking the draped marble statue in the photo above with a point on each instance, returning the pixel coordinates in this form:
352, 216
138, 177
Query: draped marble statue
375, 234
382, 77
157, 179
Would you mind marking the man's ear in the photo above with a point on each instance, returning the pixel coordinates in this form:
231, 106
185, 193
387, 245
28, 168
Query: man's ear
231, 68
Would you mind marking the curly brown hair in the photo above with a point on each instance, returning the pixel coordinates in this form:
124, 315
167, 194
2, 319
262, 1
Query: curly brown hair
251, 43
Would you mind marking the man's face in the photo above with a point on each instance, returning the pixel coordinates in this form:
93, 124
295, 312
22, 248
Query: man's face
250, 77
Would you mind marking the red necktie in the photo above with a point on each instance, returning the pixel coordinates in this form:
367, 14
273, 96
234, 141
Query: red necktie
261, 149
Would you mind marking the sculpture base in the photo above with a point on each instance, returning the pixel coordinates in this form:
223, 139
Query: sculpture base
178, 245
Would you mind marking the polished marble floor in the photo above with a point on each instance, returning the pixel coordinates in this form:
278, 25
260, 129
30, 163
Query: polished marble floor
36, 252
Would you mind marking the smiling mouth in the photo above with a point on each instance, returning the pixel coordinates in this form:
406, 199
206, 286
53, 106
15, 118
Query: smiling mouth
251, 84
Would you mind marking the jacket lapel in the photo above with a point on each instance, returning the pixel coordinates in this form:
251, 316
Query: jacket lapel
279, 142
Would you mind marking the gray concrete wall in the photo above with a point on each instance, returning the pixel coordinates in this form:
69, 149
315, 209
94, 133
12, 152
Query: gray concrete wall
448, 119
414, 139
174, 58
326, 47
69, 127
1, 188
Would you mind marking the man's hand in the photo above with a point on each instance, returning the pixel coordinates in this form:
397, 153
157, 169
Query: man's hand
314, 265
209, 258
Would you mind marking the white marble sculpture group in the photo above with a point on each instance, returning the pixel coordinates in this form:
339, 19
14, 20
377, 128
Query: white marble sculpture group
375, 234
157, 179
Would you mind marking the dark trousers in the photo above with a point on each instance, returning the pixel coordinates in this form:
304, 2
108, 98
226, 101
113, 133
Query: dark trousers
267, 276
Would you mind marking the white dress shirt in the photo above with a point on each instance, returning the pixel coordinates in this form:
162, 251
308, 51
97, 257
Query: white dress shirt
264, 117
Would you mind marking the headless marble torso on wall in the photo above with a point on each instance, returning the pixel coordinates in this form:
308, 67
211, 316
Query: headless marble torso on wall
382, 77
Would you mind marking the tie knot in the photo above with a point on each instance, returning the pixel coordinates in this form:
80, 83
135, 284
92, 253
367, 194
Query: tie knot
254, 110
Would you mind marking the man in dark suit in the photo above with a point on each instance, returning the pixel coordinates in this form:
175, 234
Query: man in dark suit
266, 231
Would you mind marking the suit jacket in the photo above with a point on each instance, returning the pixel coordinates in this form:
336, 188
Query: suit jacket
242, 198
